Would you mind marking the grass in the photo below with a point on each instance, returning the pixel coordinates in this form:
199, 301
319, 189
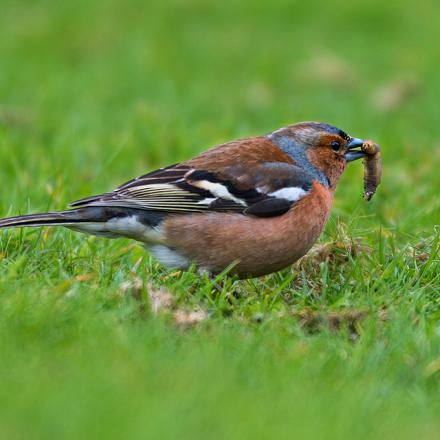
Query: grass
345, 344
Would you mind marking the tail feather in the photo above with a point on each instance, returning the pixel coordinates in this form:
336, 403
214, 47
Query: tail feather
45, 219
93, 215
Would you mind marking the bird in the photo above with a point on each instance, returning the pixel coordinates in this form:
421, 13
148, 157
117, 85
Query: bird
251, 206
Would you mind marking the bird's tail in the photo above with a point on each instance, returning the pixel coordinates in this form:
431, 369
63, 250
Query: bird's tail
63, 218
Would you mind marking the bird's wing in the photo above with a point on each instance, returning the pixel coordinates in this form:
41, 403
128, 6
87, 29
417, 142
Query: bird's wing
252, 176
264, 189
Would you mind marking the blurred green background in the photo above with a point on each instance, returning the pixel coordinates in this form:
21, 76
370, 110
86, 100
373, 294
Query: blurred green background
95, 92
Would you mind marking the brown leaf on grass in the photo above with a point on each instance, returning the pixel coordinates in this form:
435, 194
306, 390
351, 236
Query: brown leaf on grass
133, 287
424, 256
382, 314
333, 252
390, 96
160, 299
314, 321
336, 254
422, 250
189, 318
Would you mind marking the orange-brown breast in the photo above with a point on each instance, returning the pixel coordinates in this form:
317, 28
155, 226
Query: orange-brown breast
258, 245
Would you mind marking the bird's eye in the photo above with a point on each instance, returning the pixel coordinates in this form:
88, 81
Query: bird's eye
336, 145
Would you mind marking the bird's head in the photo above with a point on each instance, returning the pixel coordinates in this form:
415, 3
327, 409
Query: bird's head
320, 149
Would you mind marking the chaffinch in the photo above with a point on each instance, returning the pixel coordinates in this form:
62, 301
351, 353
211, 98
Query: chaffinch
260, 202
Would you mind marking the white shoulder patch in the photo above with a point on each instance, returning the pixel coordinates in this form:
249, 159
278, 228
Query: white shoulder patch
217, 190
291, 193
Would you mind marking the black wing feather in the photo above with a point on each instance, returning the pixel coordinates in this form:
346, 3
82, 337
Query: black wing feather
179, 188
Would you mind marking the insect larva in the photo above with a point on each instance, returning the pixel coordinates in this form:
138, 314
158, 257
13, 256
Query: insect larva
372, 168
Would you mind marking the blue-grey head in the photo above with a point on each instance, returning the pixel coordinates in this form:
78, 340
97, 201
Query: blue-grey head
320, 149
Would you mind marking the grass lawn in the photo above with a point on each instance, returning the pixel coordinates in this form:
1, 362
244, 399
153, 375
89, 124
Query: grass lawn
344, 344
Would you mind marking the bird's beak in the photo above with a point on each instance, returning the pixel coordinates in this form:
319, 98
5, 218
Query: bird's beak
353, 154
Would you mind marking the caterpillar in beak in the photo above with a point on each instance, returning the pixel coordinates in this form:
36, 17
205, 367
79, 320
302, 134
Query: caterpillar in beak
372, 168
